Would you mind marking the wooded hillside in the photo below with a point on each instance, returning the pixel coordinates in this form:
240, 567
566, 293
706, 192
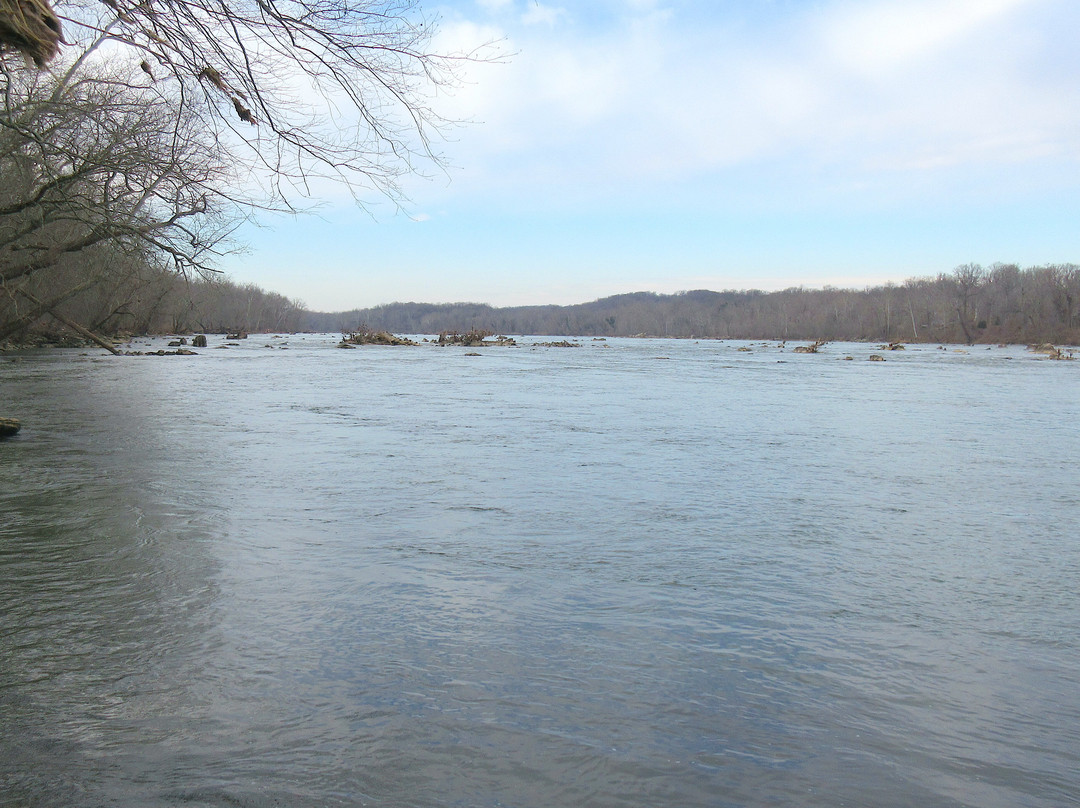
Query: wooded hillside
1002, 303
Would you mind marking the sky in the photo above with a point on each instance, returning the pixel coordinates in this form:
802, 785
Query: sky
642, 145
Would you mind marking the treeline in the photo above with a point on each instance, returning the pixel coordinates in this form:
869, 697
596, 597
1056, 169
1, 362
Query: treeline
1001, 303
133, 298
142, 300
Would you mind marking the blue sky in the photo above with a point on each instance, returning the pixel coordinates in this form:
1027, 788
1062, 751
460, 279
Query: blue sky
627, 145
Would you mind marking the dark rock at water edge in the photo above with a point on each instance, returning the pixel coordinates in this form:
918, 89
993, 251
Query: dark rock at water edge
9, 426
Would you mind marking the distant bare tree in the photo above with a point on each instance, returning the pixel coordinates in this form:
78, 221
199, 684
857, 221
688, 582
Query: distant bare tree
969, 280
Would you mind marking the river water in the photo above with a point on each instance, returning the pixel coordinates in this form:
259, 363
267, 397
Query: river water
631, 573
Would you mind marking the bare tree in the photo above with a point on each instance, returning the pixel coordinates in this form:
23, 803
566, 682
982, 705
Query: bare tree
969, 280
167, 118
313, 88
99, 179
93, 159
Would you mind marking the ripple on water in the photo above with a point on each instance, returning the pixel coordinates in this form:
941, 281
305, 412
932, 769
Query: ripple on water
364, 577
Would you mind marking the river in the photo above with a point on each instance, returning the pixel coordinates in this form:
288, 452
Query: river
630, 573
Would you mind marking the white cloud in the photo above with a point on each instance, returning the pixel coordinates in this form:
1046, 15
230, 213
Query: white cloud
860, 91
881, 36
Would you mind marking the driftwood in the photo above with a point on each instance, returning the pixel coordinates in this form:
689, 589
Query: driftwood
367, 336
474, 338
1050, 351
30, 27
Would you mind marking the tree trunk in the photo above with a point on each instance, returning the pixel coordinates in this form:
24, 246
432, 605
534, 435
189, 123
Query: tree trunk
85, 332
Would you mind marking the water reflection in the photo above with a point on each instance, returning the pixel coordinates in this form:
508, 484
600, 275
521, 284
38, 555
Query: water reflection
108, 585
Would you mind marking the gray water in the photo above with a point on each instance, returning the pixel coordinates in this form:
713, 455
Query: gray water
633, 573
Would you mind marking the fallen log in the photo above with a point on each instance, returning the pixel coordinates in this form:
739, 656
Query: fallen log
74, 326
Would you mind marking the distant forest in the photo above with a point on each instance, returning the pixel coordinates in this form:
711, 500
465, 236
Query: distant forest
1002, 303
118, 294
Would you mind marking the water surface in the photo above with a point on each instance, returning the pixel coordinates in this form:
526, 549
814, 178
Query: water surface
638, 572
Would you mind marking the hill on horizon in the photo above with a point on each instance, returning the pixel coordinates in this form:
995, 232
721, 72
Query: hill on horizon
971, 304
